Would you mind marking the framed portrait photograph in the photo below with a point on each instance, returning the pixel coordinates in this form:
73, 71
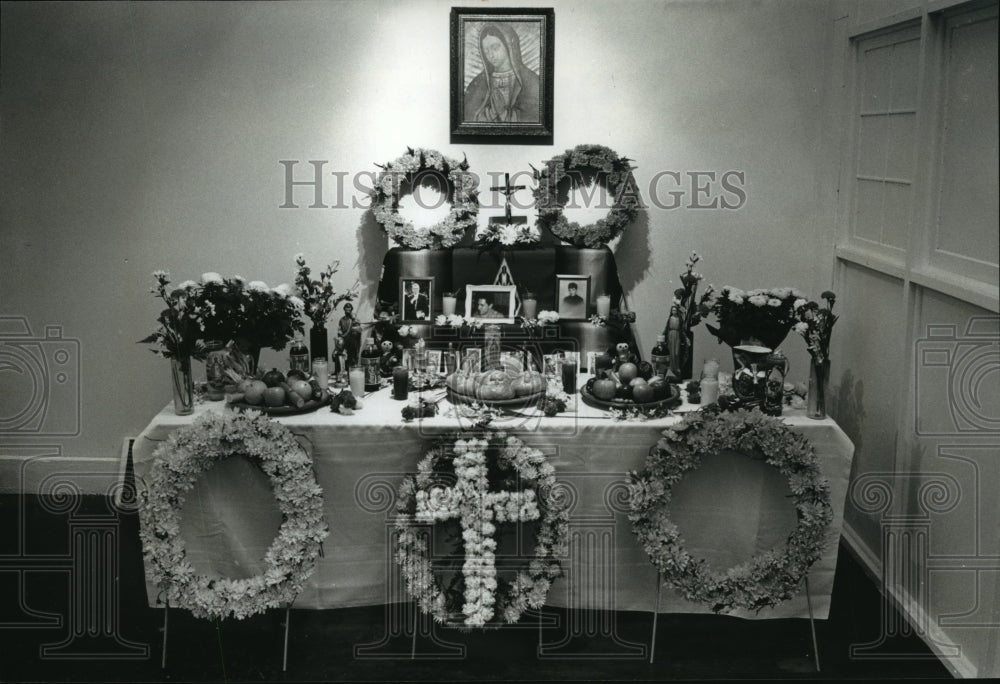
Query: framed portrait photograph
572, 296
502, 61
472, 359
416, 299
490, 303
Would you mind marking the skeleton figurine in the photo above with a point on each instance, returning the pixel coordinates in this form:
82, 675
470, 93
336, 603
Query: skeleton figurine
390, 357
622, 354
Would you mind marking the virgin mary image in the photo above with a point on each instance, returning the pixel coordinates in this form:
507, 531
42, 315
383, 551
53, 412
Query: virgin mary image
505, 90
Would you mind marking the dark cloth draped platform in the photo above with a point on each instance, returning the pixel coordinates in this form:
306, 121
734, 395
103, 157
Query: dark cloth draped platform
533, 269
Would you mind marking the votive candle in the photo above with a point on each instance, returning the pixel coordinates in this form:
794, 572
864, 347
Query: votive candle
709, 390
603, 305
357, 381
400, 383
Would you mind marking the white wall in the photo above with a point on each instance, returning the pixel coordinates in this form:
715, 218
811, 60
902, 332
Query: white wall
139, 136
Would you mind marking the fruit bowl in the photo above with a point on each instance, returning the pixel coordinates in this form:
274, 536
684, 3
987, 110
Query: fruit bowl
617, 403
520, 402
307, 407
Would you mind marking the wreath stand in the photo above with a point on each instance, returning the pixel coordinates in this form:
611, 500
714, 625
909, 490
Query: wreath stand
166, 625
656, 614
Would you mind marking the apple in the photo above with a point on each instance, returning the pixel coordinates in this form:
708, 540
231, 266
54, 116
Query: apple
645, 370
637, 381
274, 396
628, 372
643, 393
244, 385
604, 388
254, 393
302, 388
273, 377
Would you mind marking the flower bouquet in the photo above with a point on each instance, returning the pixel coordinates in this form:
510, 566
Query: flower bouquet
686, 311
815, 324
319, 301
497, 234
180, 336
760, 317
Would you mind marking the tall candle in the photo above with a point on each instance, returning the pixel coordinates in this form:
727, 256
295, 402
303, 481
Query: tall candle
400, 383
603, 305
448, 305
709, 390
357, 380
529, 305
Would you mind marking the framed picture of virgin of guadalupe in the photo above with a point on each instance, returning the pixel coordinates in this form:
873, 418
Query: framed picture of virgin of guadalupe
501, 74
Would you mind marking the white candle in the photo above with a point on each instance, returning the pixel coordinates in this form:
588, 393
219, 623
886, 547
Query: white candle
709, 391
357, 379
448, 305
603, 305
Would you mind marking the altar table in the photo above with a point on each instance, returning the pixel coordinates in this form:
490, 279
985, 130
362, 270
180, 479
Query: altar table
728, 510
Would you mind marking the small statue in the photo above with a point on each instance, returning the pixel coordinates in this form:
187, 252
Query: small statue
674, 340
622, 353
390, 356
349, 334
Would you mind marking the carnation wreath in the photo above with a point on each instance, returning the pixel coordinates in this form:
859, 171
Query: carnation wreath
478, 484
178, 462
408, 170
768, 578
582, 163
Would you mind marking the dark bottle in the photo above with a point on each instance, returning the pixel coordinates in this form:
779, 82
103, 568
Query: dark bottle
369, 364
660, 358
298, 355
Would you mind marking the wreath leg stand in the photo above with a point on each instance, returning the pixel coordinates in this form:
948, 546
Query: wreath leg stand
812, 625
656, 614
166, 614
284, 657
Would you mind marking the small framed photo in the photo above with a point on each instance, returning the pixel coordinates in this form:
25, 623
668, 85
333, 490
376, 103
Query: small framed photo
572, 296
472, 359
490, 303
433, 360
416, 299
502, 66
515, 356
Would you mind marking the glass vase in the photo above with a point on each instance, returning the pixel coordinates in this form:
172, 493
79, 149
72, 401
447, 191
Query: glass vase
819, 378
180, 373
318, 347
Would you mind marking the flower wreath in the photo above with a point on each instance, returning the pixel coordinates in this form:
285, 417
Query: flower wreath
766, 579
587, 161
290, 561
457, 485
461, 195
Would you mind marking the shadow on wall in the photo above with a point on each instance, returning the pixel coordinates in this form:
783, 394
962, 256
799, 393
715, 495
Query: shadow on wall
850, 412
373, 243
632, 253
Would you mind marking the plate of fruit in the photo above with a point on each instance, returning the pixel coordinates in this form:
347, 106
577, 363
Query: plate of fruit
509, 386
278, 394
627, 388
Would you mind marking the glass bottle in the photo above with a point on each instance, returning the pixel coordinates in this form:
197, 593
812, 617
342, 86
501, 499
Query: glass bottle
660, 357
369, 364
298, 355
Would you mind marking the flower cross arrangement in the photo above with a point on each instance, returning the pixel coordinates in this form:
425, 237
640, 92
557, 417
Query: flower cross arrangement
815, 324
318, 296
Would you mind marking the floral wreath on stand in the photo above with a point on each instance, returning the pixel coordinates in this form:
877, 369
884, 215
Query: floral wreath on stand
411, 167
190, 451
474, 483
766, 579
607, 169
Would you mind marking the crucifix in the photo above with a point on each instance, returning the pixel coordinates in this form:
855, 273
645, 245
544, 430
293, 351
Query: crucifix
508, 190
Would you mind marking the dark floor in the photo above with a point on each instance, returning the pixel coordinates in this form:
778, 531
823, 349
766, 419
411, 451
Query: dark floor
36, 643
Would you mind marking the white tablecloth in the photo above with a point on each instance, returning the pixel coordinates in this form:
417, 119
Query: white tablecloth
728, 510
